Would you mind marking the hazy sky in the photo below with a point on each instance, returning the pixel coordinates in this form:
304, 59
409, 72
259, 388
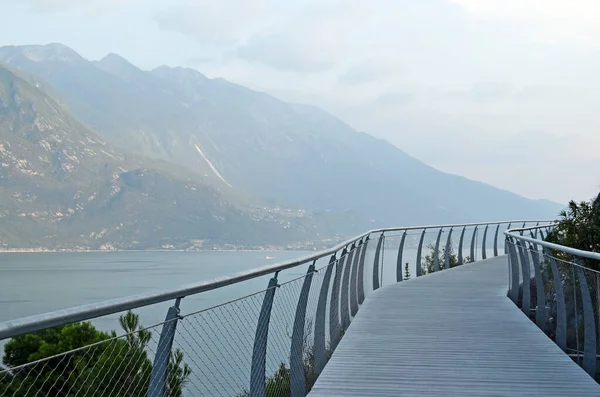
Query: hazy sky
503, 91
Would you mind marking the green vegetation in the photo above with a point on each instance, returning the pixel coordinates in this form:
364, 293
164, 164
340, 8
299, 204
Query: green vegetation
579, 227
279, 384
429, 264
79, 360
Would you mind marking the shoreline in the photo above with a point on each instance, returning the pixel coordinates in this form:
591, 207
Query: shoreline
48, 251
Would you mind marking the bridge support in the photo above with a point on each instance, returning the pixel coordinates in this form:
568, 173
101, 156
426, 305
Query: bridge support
376, 282
320, 348
160, 367
541, 315
399, 264
436, 252
561, 310
259, 352
460, 246
419, 270
335, 330
483, 245
473, 241
526, 274
354, 280
496, 240
589, 323
345, 307
361, 272
297, 382
448, 249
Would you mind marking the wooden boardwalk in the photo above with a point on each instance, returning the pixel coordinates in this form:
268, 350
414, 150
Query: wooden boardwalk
452, 333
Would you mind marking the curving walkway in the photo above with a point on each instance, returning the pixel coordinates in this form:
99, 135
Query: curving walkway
452, 333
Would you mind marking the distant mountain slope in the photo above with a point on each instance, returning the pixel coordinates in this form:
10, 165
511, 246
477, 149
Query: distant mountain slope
62, 186
294, 154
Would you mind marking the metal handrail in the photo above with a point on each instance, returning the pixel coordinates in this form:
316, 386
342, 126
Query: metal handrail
39, 322
557, 273
545, 244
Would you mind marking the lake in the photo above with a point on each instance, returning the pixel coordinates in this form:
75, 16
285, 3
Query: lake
217, 342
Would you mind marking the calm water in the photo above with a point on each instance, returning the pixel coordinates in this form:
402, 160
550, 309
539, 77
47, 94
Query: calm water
217, 343
34, 283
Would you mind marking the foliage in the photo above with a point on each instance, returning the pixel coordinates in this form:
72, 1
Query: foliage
406, 272
279, 384
112, 367
579, 227
429, 264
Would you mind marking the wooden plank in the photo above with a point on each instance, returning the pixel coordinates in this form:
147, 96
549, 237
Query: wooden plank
451, 333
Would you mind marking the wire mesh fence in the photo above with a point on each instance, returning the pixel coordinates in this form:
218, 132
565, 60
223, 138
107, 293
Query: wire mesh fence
45, 364
220, 342
561, 294
412, 253
271, 343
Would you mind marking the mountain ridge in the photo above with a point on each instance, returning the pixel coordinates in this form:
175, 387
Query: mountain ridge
292, 154
63, 187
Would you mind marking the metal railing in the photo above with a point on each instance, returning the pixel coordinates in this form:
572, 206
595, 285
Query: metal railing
274, 342
557, 288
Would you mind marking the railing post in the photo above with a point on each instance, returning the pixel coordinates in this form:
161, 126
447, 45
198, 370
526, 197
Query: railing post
436, 252
335, 331
354, 280
541, 317
483, 247
345, 312
361, 272
320, 348
418, 270
496, 240
526, 274
376, 263
297, 381
561, 309
473, 244
514, 270
460, 246
259, 351
589, 323
505, 241
399, 264
448, 249
160, 367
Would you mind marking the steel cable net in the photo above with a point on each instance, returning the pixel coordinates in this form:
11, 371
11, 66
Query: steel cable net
449, 246
562, 296
581, 290
111, 366
219, 342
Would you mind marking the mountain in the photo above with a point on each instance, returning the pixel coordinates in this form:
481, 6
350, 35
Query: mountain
287, 153
63, 186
